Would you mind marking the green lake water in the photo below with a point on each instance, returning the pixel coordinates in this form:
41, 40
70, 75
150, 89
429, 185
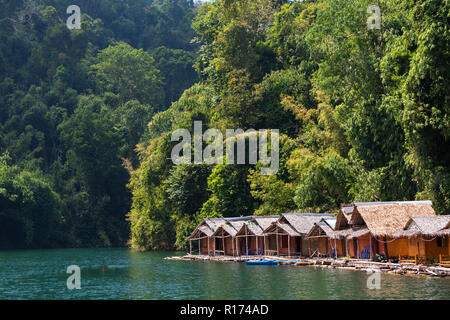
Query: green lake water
126, 274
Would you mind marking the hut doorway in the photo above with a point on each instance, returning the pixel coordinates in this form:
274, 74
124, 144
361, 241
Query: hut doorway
219, 244
355, 247
298, 245
242, 246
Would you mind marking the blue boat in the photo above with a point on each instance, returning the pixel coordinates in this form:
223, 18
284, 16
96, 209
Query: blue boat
262, 262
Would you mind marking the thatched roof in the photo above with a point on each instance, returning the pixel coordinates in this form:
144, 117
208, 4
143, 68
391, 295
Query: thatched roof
388, 218
350, 233
428, 225
442, 233
237, 225
250, 228
285, 227
343, 217
323, 227
303, 222
206, 230
226, 228
210, 226
265, 221
358, 233
214, 223
202, 230
420, 202
406, 234
331, 222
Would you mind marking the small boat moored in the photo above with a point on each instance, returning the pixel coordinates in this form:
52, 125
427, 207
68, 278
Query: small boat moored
262, 262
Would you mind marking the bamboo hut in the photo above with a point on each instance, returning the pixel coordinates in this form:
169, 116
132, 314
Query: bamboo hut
225, 235
203, 234
290, 231
249, 238
426, 237
328, 242
343, 217
383, 220
280, 239
352, 240
215, 235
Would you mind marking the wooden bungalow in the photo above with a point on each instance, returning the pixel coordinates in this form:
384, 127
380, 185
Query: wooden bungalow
382, 220
425, 237
287, 236
280, 240
203, 233
343, 217
249, 239
215, 235
224, 236
324, 241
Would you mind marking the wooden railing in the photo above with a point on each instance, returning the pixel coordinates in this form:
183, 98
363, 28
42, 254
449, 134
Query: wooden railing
444, 261
415, 259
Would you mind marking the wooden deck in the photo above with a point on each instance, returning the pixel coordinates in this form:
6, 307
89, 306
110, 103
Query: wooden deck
340, 263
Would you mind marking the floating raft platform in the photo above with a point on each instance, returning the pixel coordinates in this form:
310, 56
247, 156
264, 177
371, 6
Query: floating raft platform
345, 264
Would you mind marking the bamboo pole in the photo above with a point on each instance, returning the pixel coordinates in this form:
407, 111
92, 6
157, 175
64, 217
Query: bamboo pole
289, 246
265, 247
278, 249
246, 242
223, 244
257, 245
232, 246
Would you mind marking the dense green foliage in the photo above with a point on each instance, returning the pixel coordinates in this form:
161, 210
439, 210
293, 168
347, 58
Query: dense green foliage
73, 106
363, 113
86, 115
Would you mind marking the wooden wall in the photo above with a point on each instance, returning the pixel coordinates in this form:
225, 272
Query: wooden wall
417, 246
204, 245
339, 244
309, 245
432, 249
398, 247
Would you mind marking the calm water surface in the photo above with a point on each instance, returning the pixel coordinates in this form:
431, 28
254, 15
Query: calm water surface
125, 274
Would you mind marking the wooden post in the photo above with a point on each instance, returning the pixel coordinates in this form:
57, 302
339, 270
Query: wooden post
209, 252
223, 244
190, 246
289, 246
335, 249
246, 242
199, 247
257, 245
278, 248
385, 247
357, 248
232, 246
415, 259
301, 245
309, 241
265, 247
